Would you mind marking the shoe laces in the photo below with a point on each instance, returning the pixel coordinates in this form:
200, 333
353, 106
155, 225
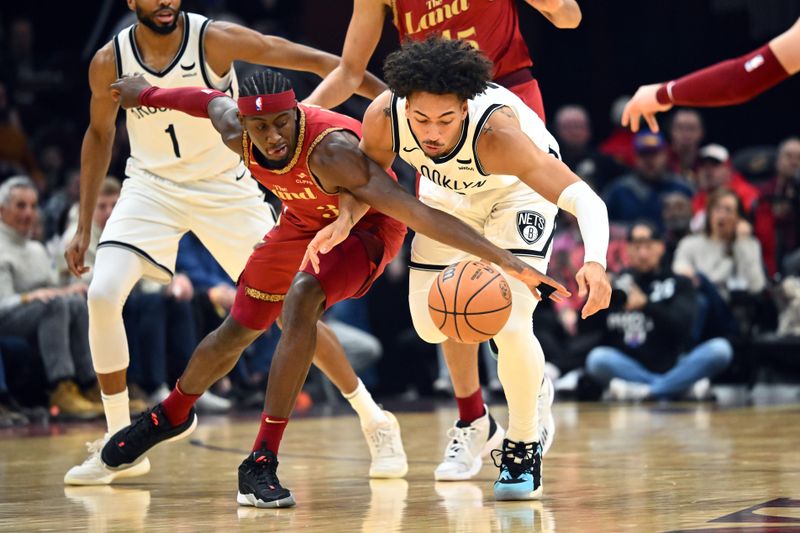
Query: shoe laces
265, 470
516, 457
94, 448
460, 439
380, 440
141, 426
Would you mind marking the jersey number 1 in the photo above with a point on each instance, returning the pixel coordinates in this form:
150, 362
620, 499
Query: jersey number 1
175, 147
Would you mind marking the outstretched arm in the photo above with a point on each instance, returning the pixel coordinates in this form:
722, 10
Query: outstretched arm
552, 179
133, 91
726, 83
563, 14
363, 34
227, 42
95, 153
338, 162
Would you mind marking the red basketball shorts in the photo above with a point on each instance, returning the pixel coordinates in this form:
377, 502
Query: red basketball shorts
530, 94
345, 272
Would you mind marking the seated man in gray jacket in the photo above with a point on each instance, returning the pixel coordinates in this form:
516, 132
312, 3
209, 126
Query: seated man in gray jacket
32, 303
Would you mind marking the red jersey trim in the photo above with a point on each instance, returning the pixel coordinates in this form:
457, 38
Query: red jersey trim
297, 150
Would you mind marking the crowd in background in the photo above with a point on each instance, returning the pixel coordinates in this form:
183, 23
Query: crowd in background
704, 259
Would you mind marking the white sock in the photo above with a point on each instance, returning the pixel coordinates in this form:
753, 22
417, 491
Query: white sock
368, 411
117, 410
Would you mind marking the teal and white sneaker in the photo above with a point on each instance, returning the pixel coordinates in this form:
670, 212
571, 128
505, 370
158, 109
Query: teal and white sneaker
520, 471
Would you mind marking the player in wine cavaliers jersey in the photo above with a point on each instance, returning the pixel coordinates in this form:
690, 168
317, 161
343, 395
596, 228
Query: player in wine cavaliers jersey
491, 26
180, 178
309, 157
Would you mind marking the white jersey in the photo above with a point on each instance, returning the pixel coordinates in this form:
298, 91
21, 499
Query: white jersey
460, 171
171, 144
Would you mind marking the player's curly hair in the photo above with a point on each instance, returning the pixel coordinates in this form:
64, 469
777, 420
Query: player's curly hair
438, 66
264, 81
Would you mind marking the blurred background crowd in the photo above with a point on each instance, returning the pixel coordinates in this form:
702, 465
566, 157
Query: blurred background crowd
707, 211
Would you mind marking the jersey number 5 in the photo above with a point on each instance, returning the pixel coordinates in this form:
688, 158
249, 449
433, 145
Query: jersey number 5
175, 147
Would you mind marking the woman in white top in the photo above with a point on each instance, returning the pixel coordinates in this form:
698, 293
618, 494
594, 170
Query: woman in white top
726, 252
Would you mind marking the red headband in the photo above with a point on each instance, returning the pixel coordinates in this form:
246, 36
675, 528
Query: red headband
265, 104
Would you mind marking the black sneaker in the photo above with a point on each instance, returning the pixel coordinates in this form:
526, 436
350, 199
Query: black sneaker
258, 482
129, 444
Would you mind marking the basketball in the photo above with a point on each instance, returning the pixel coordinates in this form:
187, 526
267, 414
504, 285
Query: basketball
470, 301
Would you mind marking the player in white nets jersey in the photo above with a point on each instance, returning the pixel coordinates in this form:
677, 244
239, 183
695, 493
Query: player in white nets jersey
487, 159
181, 178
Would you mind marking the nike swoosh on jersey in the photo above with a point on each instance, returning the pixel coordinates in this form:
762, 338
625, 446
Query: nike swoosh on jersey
464, 161
268, 421
409, 150
190, 67
241, 175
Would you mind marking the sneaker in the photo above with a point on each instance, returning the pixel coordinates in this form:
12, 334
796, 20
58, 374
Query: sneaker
622, 390
547, 424
469, 444
68, 401
212, 404
386, 448
520, 471
127, 446
258, 482
700, 391
93, 472
10, 417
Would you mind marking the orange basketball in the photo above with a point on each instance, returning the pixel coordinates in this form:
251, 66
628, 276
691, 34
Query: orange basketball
470, 301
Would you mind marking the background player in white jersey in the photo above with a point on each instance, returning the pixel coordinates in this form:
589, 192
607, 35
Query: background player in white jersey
487, 158
180, 178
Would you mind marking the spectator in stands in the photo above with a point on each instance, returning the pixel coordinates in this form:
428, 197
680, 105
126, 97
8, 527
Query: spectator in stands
31, 302
574, 134
686, 132
676, 218
714, 170
619, 144
16, 155
638, 195
777, 218
726, 253
642, 353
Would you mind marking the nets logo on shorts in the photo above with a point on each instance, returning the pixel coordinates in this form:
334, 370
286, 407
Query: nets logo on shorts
530, 226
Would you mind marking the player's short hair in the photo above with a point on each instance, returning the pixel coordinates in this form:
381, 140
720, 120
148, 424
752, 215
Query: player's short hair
264, 81
437, 66
15, 182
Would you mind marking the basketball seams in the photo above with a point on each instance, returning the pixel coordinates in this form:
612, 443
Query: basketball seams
444, 303
455, 297
466, 305
467, 315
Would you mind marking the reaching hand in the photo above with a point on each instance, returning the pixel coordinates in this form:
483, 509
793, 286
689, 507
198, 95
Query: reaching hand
323, 242
75, 254
592, 280
643, 105
535, 279
126, 90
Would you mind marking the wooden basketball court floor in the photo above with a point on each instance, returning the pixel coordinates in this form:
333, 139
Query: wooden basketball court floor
638, 468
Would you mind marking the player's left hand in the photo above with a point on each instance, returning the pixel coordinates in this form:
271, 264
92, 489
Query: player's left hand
643, 105
126, 90
538, 283
592, 280
323, 242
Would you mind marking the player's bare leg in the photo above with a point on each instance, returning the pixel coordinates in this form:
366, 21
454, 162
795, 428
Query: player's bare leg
380, 427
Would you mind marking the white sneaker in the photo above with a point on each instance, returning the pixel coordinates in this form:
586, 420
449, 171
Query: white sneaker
700, 390
468, 445
210, 403
547, 424
619, 389
386, 448
93, 472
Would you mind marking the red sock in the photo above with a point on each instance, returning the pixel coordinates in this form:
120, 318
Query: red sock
471, 407
178, 404
270, 433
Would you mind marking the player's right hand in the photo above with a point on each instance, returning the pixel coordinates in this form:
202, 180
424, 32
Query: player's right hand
538, 283
323, 242
643, 105
75, 254
126, 90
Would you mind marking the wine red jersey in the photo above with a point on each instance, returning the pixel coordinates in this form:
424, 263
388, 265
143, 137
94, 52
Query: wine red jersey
306, 205
492, 26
